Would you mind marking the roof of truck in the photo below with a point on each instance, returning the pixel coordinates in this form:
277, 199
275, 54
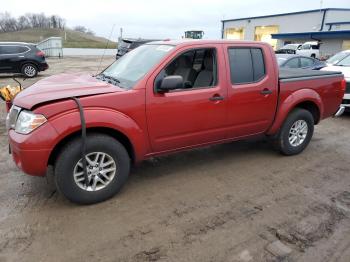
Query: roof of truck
202, 42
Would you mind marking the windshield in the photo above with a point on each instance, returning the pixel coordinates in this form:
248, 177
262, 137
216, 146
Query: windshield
131, 67
337, 58
290, 46
344, 62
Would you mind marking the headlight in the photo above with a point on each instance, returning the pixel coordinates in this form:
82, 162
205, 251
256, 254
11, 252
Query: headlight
28, 121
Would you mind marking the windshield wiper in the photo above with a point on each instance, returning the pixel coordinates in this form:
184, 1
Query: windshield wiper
112, 78
107, 78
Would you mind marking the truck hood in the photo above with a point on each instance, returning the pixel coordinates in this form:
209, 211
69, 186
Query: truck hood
62, 86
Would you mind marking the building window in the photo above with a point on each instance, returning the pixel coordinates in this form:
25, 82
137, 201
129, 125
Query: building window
234, 33
346, 44
263, 33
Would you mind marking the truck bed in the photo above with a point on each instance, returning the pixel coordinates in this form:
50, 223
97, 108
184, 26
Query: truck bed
293, 74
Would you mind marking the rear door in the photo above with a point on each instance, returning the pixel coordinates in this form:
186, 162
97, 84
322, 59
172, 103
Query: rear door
252, 91
190, 116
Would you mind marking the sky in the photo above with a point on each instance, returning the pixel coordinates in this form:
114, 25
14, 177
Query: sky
159, 19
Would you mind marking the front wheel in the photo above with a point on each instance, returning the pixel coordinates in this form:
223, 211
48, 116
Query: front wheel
108, 166
296, 132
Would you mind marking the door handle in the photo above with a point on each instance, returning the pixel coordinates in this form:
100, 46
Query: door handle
266, 91
216, 98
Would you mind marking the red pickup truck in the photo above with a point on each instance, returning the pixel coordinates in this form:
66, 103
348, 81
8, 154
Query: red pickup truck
160, 98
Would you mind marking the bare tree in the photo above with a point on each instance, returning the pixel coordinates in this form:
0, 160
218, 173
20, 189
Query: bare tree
30, 20
23, 22
7, 23
90, 32
80, 28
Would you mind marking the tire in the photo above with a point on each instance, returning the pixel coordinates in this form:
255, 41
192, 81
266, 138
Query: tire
313, 56
67, 176
29, 70
297, 119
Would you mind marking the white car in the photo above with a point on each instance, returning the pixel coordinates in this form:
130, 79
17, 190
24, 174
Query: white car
311, 49
341, 62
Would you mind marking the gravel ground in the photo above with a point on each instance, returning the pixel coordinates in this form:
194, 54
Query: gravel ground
235, 202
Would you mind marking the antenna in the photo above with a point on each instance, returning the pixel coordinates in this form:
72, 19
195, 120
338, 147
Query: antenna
104, 51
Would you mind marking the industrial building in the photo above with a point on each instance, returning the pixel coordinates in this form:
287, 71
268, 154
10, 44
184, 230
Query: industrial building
329, 26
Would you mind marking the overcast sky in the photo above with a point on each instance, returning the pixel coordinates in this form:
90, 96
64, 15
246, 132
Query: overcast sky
159, 18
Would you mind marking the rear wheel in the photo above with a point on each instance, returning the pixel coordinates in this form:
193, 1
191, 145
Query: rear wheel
108, 166
29, 70
296, 132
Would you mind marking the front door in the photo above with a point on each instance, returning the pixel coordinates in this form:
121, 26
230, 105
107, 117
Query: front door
9, 58
195, 114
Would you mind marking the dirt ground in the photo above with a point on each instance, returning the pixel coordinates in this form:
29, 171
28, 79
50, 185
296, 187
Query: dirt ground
221, 203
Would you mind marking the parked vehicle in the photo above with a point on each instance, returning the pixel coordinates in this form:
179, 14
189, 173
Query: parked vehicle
126, 45
289, 49
160, 98
341, 62
297, 61
310, 49
194, 34
22, 58
337, 58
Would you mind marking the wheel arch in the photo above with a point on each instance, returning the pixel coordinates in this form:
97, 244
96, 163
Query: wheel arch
122, 138
26, 62
312, 107
307, 99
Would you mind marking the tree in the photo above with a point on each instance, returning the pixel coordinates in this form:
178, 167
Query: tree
80, 28
90, 32
30, 20
23, 22
7, 23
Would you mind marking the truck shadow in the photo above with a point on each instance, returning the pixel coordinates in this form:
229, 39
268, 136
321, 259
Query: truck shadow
208, 158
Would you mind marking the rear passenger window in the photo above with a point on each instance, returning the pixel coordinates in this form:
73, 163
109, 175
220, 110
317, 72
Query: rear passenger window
12, 49
22, 49
258, 63
246, 65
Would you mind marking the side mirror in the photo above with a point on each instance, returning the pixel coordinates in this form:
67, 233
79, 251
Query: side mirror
171, 83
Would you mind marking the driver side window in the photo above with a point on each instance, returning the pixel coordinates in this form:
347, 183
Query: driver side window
196, 67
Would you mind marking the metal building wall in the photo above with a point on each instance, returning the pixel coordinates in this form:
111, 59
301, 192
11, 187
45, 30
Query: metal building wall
52, 47
292, 23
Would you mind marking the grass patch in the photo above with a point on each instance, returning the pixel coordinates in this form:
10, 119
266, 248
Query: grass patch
70, 38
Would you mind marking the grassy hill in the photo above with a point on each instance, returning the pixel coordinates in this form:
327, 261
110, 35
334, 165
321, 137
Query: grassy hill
70, 38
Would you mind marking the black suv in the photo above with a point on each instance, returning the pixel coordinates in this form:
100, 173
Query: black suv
126, 45
21, 58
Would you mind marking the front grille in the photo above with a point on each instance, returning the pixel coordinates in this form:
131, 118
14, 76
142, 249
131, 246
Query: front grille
347, 90
346, 102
